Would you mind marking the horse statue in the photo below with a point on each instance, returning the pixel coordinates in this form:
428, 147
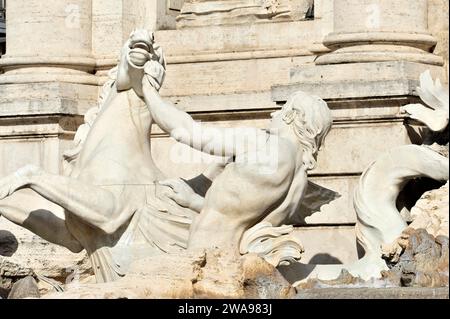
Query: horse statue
108, 201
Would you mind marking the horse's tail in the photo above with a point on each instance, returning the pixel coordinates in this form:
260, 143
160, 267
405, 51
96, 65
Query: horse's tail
378, 219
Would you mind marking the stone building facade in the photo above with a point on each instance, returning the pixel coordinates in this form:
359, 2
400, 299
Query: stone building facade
231, 63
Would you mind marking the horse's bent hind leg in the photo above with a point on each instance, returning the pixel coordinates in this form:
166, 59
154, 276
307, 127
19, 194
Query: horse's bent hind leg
27, 209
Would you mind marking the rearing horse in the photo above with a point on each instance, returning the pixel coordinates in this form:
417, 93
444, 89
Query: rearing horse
109, 202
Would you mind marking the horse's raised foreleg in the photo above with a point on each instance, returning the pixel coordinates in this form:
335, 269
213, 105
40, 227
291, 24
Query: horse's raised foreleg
33, 212
93, 204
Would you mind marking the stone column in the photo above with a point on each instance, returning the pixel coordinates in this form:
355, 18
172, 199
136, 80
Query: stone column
48, 80
438, 16
380, 30
47, 43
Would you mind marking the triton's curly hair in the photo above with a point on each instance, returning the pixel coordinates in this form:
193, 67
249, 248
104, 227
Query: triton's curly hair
310, 118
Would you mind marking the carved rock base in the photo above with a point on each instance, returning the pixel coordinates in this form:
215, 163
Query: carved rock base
431, 211
423, 261
206, 274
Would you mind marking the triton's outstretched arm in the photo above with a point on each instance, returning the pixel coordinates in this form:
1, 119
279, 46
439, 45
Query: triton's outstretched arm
180, 125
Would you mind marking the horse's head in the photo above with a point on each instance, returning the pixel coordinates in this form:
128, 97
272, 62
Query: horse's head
137, 51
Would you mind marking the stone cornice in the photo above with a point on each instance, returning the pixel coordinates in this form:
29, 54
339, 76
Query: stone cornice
77, 63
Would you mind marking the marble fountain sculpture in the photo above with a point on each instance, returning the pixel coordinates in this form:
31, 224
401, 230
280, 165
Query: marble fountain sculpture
113, 202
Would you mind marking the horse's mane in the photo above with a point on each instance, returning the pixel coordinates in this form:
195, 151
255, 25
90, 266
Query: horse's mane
70, 156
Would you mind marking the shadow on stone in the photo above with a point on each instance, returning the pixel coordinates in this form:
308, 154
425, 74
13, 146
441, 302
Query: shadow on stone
298, 271
4, 293
412, 192
8, 243
325, 259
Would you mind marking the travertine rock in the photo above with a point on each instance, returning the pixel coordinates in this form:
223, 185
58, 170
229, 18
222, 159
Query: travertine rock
24, 288
9, 271
23, 253
423, 261
344, 279
205, 274
420, 261
420, 256
431, 212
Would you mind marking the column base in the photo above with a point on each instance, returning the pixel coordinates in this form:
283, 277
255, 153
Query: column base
391, 53
48, 69
339, 82
379, 47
